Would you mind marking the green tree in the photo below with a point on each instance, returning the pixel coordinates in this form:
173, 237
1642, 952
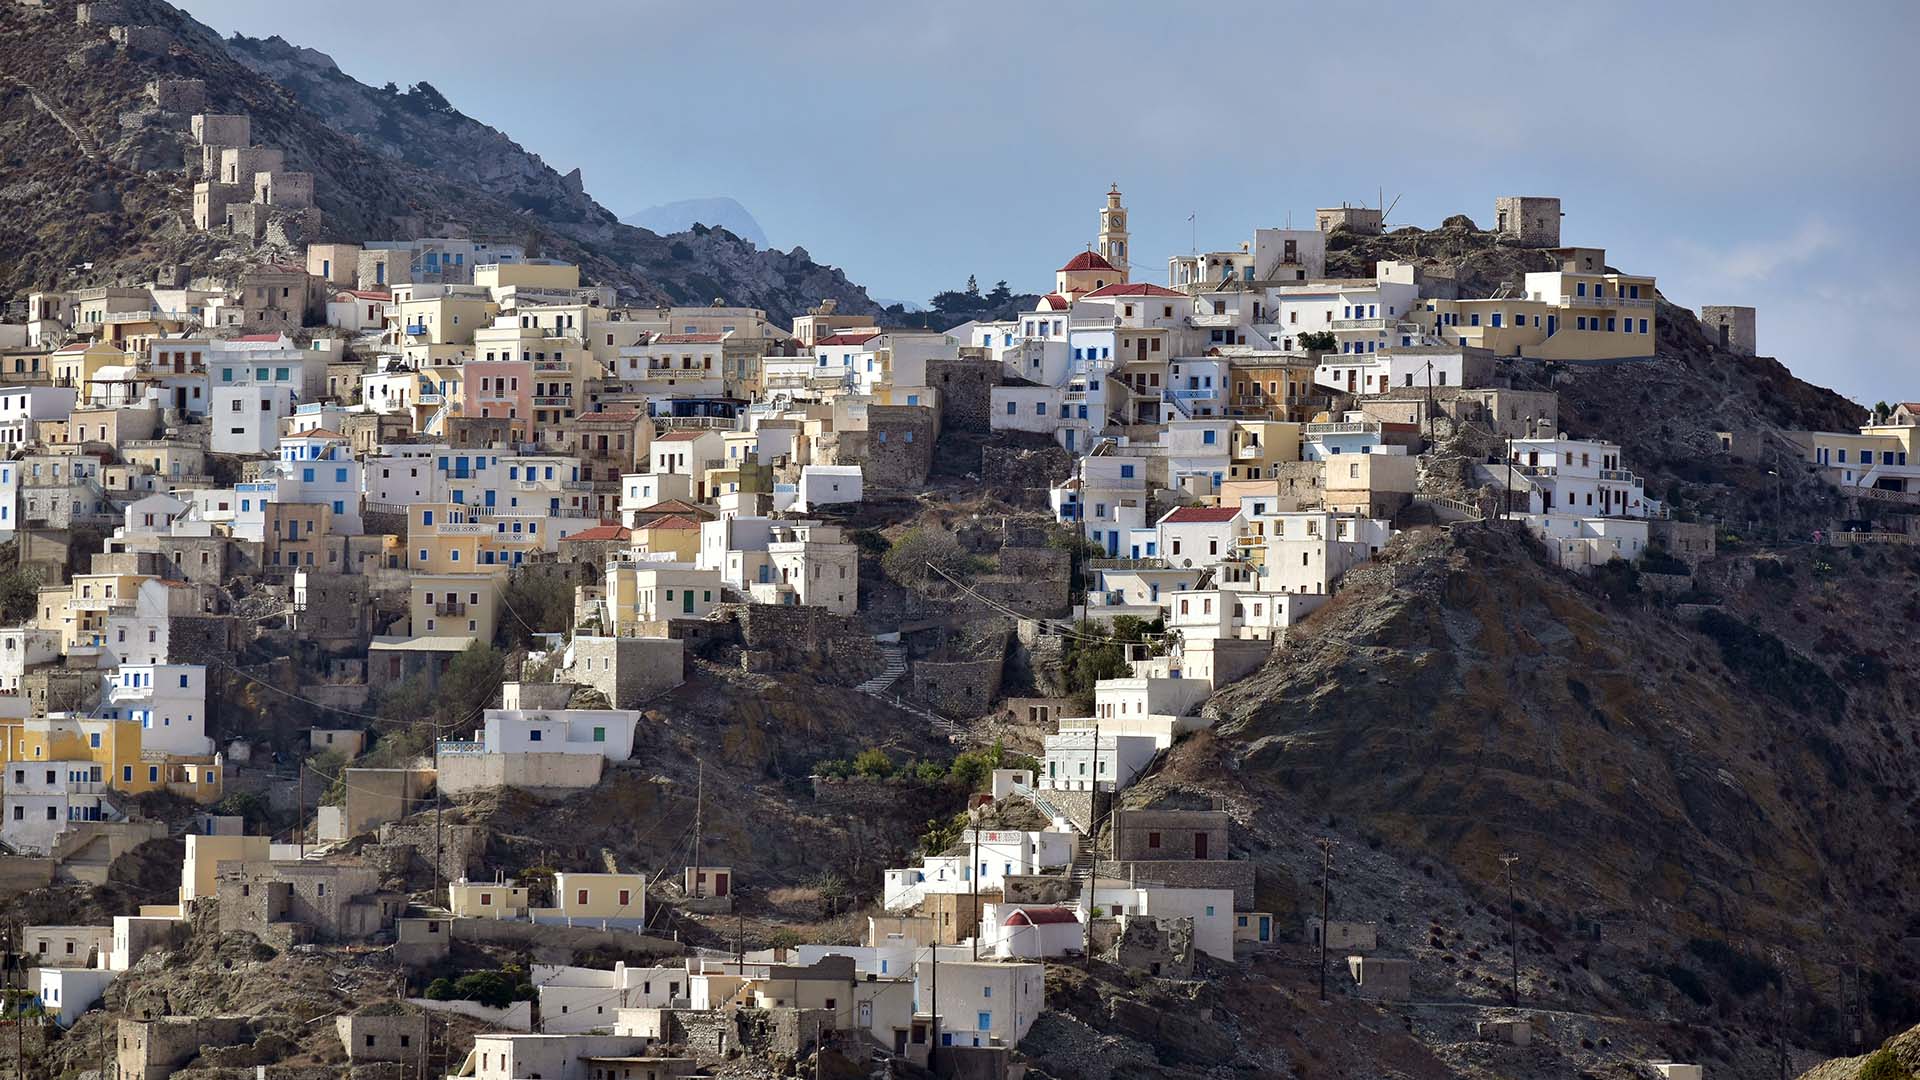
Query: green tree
907, 561
1322, 340
973, 287
533, 604
1000, 295
873, 762
19, 595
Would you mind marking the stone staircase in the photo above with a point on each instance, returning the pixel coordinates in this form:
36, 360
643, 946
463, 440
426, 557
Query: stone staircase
890, 672
881, 687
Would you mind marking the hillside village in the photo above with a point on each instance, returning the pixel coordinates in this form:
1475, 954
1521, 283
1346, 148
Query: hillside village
315, 567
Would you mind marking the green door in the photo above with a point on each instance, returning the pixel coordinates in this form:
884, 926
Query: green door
686, 601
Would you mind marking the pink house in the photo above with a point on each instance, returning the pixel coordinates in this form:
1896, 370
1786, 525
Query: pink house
499, 388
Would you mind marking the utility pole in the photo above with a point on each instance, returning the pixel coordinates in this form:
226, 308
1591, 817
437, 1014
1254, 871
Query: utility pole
438, 841
699, 803
1327, 844
933, 1004
1429, 403
1513, 937
302, 838
975, 936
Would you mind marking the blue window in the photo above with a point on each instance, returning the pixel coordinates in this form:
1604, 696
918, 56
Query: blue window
306, 475
1643, 326
1126, 472
423, 554
93, 740
1581, 322
1039, 408
339, 476
1633, 291
1580, 289
1083, 415
246, 504
426, 517
183, 682
1010, 408
1207, 437
1209, 911
986, 1021
226, 375
339, 506
534, 735
126, 774
1496, 320
260, 374
280, 374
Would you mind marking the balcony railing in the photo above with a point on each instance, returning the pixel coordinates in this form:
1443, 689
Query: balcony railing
1621, 475
549, 402
416, 330
552, 365
1362, 324
1603, 302
1343, 427
450, 607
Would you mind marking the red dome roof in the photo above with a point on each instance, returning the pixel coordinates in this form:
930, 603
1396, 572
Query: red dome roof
1053, 301
1088, 260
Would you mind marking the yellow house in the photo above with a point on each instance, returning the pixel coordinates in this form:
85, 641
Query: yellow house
454, 605
441, 539
199, 873
596, 898
77, 364
638, 593
1582, 311
674, 535
527, 274
1255, 446
114, 746
487, 900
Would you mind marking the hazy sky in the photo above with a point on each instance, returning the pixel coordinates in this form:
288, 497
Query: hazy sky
1745, 153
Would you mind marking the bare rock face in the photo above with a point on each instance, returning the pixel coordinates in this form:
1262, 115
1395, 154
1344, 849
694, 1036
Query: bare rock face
94, 176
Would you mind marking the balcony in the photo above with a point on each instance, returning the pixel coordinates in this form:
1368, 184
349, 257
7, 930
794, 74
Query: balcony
1603, 303
562, 402
1362, 324
1621, 475
1343, 427
416, 330
552, 365
1224, 318
450, 607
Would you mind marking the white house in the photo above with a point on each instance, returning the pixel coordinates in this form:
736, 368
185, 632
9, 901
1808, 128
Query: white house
1200, 536
576, 1000
992, 857
606, 732
1073, 762
826, 485
66, 993
246, 419
169, 701
1210, 909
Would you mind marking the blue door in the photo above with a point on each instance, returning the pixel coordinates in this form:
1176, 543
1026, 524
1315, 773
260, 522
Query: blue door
1113, 543
489, 496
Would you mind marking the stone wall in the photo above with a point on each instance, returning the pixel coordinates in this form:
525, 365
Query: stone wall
1532, 220
177, 95
1731, 327
963, 688
556, 944
1043, 564
833, 648
628, 671
965, 388
544, 774
1155, 947
1134, 831
895, 450
407, 850
1690, 542
396, 1036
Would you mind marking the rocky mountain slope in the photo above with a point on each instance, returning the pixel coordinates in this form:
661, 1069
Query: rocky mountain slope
718, 212
93, 169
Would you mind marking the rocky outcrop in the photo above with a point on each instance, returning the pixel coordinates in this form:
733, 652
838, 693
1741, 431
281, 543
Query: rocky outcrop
94, 171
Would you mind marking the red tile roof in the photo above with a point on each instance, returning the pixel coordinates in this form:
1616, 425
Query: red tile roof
368, 294
600, 532
1041, 916
672, 521
1133, 288
689, 339
849, 339
1192, 515
1053, 301
670, 506
1088, 260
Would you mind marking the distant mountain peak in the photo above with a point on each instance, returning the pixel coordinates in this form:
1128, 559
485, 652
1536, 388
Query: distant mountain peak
716, 212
